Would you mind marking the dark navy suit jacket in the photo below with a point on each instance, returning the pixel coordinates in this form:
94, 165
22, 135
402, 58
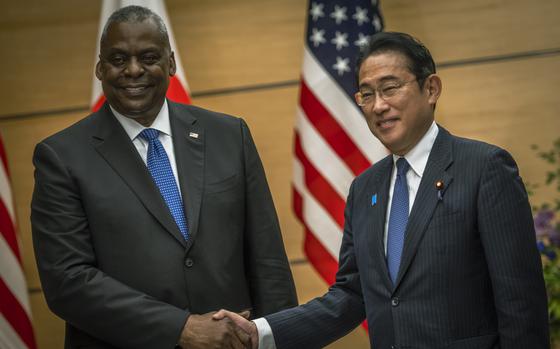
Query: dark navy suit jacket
470, 274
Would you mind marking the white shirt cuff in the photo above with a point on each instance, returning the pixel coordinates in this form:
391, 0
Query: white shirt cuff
266, 337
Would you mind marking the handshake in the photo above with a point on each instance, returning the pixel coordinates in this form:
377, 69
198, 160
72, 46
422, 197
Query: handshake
222, 329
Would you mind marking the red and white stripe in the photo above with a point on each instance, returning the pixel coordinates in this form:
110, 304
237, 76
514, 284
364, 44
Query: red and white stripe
16, 330
178, 90
332, 145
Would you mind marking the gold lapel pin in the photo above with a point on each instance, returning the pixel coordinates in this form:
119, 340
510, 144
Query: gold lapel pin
439, 187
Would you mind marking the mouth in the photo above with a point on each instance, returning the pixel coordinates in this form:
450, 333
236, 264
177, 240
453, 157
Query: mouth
386, 124
135, 90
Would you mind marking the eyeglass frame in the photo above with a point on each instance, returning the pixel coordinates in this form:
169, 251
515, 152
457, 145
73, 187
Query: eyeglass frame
378, 91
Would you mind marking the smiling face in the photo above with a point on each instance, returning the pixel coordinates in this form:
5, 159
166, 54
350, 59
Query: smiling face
134, 67
399, 121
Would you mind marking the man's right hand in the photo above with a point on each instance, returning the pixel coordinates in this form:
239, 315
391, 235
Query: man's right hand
242, 322
204, 332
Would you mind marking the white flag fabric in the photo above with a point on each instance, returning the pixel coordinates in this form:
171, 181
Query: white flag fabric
16, 330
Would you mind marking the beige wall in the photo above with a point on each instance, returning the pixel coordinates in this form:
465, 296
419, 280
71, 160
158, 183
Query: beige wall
48, 54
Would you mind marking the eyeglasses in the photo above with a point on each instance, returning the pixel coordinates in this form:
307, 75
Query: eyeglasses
386, 91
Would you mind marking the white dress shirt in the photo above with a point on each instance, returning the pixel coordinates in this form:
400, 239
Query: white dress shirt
162, 124
417, 159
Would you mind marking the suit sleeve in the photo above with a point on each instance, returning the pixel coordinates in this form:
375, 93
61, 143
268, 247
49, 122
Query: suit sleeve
270, 279
74, 287
507, 234
325, 319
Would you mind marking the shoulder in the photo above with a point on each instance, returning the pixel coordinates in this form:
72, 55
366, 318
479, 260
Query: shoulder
474, 159
204, 116
378, 170
77, 132
475, 151
72, 144
219, 129
473, 146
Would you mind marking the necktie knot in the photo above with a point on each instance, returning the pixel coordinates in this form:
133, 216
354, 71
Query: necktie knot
149, 134
402, 167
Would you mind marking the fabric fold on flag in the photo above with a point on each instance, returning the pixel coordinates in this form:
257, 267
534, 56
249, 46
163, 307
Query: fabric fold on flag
16, 329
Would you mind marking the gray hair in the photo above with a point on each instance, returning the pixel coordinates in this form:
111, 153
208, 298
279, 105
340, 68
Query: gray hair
135, 14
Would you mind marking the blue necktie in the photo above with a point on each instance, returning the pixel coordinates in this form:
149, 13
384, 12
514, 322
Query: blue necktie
397, 220
160, 169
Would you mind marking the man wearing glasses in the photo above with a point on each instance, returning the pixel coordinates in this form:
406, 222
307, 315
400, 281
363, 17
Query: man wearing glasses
439, 247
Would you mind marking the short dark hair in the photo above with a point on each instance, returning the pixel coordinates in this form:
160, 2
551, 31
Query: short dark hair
135, 14
420, 61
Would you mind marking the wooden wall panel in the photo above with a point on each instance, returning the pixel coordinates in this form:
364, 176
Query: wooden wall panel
49, 54
52, 49
49, 329
457, 30
238, 43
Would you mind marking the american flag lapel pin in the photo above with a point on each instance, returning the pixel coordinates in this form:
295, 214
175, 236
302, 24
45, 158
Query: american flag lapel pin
374, 199
193, 134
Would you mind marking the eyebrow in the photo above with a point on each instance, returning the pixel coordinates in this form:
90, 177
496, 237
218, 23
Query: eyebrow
125, 49
116, 51
382, 80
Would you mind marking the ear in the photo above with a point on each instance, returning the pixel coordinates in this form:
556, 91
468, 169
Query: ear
356, 98
172, 64
433, 86
98, 74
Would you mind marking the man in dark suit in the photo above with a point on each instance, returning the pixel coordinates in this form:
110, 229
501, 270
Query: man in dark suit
439, 248
148, 213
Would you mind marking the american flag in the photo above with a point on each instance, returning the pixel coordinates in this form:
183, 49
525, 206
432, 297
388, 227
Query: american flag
178, 90
332, 141
16, 330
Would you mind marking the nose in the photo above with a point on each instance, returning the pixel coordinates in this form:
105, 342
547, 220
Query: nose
134, 68
380, 105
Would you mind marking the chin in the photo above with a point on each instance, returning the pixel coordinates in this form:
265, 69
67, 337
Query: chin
135, 110
388, 140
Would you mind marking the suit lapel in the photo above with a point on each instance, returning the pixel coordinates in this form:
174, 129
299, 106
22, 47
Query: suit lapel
188, 141
426, 198
380, 187
114, 145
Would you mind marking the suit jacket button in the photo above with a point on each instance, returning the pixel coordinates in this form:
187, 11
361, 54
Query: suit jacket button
395, 301
394, 346
189, 262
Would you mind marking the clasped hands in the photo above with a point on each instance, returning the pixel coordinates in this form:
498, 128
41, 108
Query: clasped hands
219, 330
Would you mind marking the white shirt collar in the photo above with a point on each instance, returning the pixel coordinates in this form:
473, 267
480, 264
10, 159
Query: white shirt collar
417, 157
133, 128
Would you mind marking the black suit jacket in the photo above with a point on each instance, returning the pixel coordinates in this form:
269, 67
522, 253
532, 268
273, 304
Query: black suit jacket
470, 274
112, 261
